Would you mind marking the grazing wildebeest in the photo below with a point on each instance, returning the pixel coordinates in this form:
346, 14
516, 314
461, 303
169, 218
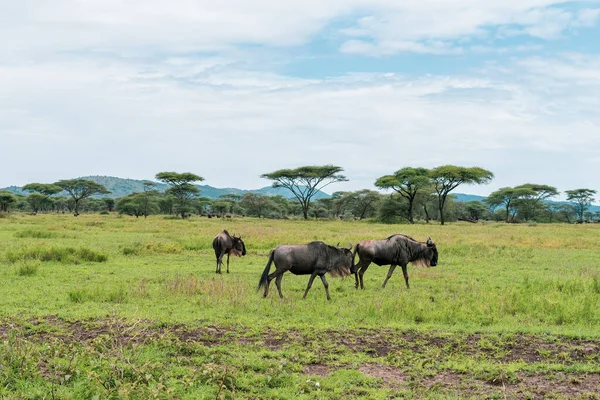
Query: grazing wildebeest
395, 250
314, 259
223, 244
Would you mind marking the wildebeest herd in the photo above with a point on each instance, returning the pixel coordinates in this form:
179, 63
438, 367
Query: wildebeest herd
318, 258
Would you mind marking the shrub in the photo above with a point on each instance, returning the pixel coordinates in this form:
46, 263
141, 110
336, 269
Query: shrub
65, 255
30, 233
28, 268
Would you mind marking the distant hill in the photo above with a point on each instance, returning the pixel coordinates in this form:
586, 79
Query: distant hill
463, 198
120, 187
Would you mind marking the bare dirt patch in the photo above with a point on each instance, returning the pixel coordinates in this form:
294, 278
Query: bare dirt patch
316, 369
392, 376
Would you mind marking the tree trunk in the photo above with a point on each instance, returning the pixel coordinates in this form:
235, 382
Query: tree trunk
441, 202
426, 213
410, 210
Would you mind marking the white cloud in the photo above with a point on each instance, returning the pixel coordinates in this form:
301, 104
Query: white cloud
130, 88
147, 26
231, 125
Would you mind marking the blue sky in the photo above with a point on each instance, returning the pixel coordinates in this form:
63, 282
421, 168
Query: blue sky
231, 89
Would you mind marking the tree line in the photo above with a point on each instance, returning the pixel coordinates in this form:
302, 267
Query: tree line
411, 194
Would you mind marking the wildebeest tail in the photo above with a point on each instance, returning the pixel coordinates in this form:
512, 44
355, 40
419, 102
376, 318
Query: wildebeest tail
354, 258
217, 247
264, 279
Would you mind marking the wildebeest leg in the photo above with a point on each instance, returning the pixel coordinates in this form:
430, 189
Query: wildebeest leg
227, 262
310, 282
326, 286
278, 283
269, 279
219, 263
389, 275
360, 269
405, 272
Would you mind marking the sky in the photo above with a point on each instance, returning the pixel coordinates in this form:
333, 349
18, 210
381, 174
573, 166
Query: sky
232, 89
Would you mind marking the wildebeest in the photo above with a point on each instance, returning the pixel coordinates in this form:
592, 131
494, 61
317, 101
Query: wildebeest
223, 244
314, 259
395, 250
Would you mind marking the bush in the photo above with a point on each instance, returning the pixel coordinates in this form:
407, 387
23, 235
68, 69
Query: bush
28, 268
65, 255
30, 233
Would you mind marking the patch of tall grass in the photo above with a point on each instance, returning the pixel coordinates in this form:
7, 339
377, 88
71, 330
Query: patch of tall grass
36, 234
117, 295
64, 255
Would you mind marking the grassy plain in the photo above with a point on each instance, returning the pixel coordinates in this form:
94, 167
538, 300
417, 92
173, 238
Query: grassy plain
118, 307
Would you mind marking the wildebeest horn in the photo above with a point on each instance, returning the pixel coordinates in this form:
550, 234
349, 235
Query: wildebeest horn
350, 248
337, 245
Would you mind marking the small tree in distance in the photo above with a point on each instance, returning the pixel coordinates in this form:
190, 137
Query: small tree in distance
407, 182
448, 177
181, 188
80, 189
509, 198
304, 182
582, 199
40, 192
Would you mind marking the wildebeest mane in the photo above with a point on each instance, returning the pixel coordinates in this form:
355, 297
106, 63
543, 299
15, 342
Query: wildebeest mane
402, 235
411, 250
327, 253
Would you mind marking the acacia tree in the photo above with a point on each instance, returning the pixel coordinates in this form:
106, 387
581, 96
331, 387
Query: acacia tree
582, 199
181, 188
7, 199
40, 193
532, 197
448, 177
305, 182
258, 205
364, 203
407, 182
80, 189
138, 204
508, 197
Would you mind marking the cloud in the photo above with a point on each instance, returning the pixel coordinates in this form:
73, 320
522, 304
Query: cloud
371, 26
231, 125
133, 88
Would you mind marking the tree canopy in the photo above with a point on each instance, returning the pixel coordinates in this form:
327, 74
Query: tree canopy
507, 197
182, 188
407, 182
80, 189
532, 196
448, 177
304, 182
582, 199
47, 189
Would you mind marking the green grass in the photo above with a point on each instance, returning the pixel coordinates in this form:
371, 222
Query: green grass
513, 288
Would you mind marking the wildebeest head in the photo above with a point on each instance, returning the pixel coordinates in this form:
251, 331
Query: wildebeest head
239, 248
346, 267
434, 253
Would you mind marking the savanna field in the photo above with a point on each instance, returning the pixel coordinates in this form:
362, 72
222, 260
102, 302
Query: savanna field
104, 306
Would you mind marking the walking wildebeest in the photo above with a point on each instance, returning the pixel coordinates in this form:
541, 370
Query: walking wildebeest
395, 250
314, 259
223, 244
